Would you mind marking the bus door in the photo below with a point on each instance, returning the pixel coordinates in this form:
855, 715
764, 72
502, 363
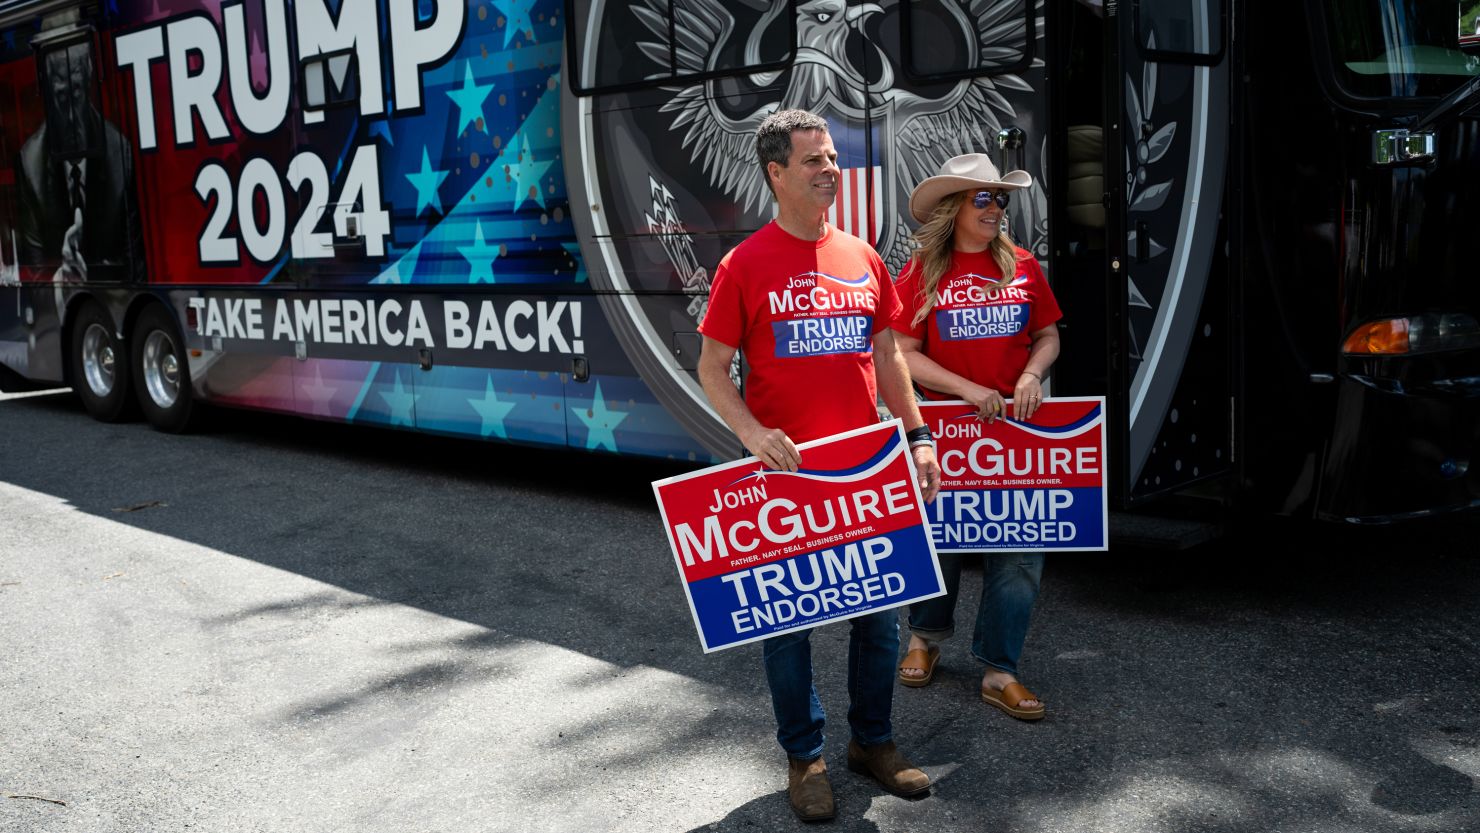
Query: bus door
1166, 161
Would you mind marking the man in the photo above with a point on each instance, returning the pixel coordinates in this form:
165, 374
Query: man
77, 208
800, 268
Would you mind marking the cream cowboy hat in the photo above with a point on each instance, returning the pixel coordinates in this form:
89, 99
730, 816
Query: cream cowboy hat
961, 173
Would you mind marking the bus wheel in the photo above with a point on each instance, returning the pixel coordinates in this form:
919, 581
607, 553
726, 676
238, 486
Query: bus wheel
99, 365
163, 373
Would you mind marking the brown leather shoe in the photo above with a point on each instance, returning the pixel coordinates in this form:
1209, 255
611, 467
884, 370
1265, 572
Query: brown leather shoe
884, 764
808, 789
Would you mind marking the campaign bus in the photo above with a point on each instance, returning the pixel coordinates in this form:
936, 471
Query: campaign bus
499, 218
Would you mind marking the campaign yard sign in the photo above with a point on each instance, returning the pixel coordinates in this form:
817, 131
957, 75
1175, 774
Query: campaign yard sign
1014, 485
764, 552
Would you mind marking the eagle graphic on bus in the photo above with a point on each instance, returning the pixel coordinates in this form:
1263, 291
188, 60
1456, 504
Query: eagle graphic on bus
888, 137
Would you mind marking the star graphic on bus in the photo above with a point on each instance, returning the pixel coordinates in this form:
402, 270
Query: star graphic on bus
426, 181
516, 17
318, 393
601, 422
492, 411
480, 257
401, 402
469, 99
526, 174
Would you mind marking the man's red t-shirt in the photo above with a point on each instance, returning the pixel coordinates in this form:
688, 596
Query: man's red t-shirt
974, 331
804, 313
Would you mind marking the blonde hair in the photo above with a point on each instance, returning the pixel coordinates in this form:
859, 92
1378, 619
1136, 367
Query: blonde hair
935, 241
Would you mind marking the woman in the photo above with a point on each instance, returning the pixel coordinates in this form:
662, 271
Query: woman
966, 260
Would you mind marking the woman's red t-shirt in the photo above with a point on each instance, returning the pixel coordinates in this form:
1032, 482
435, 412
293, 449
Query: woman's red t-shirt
975, 331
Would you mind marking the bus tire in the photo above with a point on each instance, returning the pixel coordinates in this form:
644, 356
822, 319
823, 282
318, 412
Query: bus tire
100, 365
162, 372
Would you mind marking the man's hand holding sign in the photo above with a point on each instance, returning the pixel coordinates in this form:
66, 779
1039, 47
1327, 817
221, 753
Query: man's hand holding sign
772, 446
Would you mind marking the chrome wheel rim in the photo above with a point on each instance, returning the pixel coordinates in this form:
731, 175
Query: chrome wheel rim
161, 369
97, 359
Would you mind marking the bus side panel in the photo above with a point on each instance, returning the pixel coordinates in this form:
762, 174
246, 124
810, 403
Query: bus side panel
1175, 156
407, 263
497, 366
1194, 440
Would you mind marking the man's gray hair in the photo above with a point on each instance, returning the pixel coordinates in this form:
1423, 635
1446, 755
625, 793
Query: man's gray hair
773, 137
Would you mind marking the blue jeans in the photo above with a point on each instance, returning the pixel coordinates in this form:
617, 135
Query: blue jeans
1010, 582
873, 650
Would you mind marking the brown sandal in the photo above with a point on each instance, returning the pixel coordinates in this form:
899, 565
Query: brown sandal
919, 659
1009, 696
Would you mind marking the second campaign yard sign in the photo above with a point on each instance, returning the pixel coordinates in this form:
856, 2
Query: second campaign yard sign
764, 552
1013, 485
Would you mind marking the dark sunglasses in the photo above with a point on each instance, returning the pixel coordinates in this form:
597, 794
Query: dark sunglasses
982, 198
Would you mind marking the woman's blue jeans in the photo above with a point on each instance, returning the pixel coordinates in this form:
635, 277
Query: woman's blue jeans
1010, 582
873, 650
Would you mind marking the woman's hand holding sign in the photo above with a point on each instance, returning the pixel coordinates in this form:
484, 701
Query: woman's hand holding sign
1028, 396
988, 402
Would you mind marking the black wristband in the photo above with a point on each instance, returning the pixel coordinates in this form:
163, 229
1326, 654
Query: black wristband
921, 434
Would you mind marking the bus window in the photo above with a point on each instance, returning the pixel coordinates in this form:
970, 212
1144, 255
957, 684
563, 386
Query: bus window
1403, 48
1469, 24
68, 84
934, 37
1187, 30
330, 80
615, 47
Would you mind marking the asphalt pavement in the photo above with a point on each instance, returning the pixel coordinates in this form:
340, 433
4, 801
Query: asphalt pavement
283, 625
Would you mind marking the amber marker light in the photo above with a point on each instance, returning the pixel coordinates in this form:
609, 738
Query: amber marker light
1386, 337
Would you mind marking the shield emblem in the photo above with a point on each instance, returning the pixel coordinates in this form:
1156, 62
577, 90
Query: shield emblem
866, 204
859, 209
